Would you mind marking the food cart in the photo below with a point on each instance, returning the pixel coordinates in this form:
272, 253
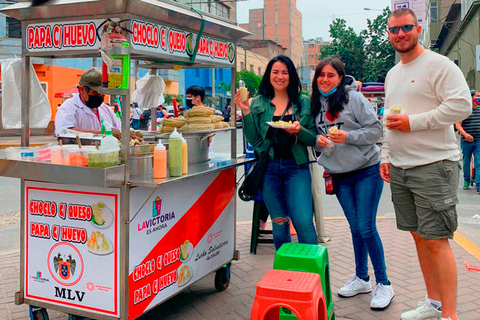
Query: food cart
96, 242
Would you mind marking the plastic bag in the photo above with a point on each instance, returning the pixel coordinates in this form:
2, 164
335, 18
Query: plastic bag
149, 93
40, 111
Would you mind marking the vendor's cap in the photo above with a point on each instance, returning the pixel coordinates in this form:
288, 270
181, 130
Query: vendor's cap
91, 78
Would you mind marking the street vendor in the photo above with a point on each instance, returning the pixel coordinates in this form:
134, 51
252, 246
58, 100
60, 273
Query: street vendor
195, 96
85, 111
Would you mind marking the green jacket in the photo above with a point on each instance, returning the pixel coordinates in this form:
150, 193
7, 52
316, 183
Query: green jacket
255, 127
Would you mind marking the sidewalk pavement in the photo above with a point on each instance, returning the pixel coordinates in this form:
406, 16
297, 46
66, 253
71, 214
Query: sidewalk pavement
201, 301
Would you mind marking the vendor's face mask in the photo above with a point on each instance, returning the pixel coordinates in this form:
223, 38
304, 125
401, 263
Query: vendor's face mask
94, 101
189, 102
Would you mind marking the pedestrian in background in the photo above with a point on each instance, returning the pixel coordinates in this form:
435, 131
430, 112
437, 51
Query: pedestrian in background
286, 187
469, 130
354, 165
420, 158
136, 114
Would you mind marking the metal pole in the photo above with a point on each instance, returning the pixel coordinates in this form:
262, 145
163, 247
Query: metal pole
233, 112
213, 82
25, 104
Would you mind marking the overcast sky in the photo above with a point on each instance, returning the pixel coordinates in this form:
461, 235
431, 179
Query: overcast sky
317, 15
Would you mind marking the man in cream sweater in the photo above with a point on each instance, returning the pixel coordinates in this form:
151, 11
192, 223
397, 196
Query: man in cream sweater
421, 159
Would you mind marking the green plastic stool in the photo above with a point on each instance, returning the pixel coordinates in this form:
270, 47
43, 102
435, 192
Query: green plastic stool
307, 258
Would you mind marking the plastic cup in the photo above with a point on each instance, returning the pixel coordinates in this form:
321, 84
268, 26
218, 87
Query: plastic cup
243, 93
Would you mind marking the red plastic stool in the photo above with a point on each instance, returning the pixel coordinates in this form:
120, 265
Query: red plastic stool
300, 292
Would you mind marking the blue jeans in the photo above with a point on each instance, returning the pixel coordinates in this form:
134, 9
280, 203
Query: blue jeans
469, 149
135, 124
287, 192
359, 195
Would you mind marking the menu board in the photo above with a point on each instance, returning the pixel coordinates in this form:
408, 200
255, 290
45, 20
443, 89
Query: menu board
179, 232
72, 246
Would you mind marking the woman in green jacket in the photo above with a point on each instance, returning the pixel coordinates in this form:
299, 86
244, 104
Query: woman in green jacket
286, 187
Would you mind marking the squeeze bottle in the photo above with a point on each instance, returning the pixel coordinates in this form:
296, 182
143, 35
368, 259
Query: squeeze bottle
160, 161
184, 156
175, 154
109, 141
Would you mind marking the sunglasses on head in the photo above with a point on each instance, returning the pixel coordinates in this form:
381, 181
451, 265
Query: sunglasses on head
405, 28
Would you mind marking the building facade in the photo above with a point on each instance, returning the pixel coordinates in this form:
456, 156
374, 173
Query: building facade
281, 22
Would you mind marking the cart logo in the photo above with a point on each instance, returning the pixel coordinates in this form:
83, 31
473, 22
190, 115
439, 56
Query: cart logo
64, 270
157, 207
65, 264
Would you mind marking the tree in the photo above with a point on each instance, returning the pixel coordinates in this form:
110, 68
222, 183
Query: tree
380, 55
367, 56
252, 82
169, 97
346, 45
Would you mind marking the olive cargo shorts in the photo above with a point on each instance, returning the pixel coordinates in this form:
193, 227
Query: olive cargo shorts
424, 198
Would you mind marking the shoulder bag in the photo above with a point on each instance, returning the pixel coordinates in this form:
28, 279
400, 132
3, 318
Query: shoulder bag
254, 178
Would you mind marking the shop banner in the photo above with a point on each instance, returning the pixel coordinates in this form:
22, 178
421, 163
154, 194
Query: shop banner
417, 6
61, 36
160, 39
179, 232
72, 249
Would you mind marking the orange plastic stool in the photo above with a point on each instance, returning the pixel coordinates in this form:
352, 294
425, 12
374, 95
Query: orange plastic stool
300, 292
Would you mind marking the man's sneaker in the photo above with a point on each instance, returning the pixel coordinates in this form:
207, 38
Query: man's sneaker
354, 286
423, 311
466, 185
477, 186
382, 296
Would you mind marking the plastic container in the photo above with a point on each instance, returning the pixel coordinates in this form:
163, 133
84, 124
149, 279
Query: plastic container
160, 161
22, 153
103, 158
184, 156
78, 156
109, 141
175, 154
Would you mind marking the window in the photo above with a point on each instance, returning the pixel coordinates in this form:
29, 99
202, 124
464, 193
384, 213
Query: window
242, 66
14, 28
311, 45
433, 12
251, 67
259, 71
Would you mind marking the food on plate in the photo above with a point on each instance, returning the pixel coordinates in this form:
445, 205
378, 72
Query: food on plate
333, 129
98, 243
184, 274
184, 250
395, 109
98, 211
282, 123
216, 118
167, 129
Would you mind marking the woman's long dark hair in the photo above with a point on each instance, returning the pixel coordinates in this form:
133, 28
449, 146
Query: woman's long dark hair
294, 86
337, 99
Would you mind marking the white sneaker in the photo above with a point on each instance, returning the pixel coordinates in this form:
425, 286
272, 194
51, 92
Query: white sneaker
354, 286
382, 296
423, 311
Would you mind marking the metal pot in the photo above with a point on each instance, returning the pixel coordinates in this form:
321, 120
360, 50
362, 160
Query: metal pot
198, 146
141, 165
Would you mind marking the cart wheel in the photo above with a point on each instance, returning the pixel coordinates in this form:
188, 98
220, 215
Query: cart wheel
40, 314
74, 317
222, 278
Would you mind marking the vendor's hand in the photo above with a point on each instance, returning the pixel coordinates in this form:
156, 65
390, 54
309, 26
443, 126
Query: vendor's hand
385, 172
398, 122
117, 133
294, 130
322, 141
468, 137
242, 105
339, 136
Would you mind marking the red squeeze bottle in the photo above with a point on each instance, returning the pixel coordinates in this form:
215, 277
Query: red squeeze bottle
175, 108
